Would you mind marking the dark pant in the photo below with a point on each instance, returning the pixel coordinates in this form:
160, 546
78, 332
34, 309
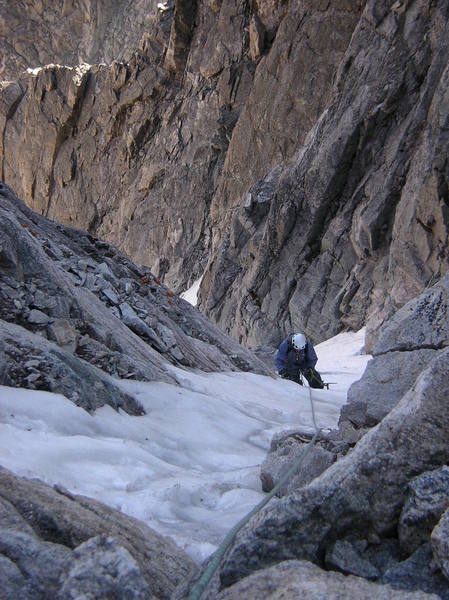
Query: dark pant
311, 374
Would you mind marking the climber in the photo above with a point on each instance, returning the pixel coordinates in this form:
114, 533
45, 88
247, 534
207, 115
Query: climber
295, 358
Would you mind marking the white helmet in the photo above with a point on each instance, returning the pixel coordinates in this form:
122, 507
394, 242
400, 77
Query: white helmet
299, 341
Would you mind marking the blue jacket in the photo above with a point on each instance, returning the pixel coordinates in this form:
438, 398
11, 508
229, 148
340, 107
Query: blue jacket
289, 360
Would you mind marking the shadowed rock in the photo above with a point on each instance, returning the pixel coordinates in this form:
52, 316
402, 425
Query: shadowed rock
68, 299
55, 543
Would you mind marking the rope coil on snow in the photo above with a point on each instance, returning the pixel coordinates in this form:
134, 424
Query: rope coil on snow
200, 587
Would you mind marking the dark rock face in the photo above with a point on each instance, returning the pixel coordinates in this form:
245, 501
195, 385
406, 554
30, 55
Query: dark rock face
357, 223
284, 451
295, 579
440, 544
132, 151
428, 499
55, 544
146, 141
418, 572
74, 311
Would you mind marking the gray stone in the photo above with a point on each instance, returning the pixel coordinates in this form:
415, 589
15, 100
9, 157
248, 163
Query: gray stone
279, 461
427, 500
363, 492
418, 573
37, 317
13, 581
104, 569
386, 379
344, 557
110, 295
293, 579
62, 332
69, 545
42, 563
440, 544
84, 328
107, 274
59, 371
421, 323
408, 343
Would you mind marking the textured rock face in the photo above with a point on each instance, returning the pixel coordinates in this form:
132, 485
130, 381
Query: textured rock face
408, 343
299, 151
74, 311
134, 152
428, 499
284, 451
34, 34
357, 224
440, 543
64, 546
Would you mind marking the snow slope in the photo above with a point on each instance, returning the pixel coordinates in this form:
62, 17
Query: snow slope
189, 468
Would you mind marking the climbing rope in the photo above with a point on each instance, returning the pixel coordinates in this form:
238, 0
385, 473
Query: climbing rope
200, 587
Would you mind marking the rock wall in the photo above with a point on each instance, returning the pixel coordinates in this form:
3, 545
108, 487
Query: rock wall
70, 32
296, 153
132, 151
357, 223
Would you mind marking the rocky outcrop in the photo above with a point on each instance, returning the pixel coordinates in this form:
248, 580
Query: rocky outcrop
299, 151
427, 501
75, 311
132, 152
285, 449
440, 543
120, 140
53, 543
408, 343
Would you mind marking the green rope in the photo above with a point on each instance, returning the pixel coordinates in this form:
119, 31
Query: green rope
201, 585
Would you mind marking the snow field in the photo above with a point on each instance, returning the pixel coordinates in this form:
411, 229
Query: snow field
190, 467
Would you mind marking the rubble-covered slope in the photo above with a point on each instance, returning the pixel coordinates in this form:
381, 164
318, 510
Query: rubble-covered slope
74, 311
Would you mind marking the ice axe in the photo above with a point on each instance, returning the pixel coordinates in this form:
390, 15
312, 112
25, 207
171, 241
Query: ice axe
328, 383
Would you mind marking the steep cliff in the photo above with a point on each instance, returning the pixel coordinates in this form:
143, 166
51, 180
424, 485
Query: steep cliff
357, 223
296, 153
69, 32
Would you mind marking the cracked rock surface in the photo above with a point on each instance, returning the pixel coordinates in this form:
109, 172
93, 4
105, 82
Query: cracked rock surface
75, 312
407, 345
